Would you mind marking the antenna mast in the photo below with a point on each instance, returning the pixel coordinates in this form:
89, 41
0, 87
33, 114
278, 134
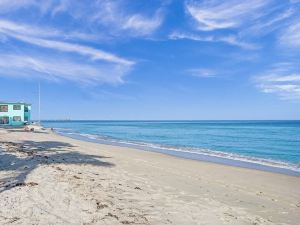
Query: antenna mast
39, 103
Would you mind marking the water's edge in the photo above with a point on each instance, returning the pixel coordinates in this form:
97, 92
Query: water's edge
204, 155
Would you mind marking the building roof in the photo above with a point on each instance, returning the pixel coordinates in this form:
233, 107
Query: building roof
15, 103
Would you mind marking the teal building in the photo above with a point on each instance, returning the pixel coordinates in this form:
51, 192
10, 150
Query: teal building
14, 113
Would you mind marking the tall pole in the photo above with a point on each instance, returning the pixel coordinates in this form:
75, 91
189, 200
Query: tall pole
39, 102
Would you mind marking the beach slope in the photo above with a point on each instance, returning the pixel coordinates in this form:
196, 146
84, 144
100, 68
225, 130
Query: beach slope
46, 178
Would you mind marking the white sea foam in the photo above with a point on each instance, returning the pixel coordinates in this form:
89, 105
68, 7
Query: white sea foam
190, 151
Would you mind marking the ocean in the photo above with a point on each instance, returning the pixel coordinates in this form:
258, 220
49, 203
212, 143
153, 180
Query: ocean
265, 145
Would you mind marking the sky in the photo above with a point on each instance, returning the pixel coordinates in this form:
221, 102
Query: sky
152, 60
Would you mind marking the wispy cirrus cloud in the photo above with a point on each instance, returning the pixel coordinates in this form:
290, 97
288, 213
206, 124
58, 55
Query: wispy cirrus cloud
58, 69
290, 36
12, 28
201, 72
93, 53
213, 15
141, 25
283, 80
275, 22
95, 65
231, 40
76, 47
112, 14
73, 31
40, 37
239, 23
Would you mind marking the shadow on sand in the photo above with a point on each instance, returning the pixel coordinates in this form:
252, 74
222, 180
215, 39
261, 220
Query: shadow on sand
20, 159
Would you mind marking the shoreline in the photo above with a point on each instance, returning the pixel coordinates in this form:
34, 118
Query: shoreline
48, 178
242, 161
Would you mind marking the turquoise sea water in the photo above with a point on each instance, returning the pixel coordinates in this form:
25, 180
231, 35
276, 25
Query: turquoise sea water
261, 144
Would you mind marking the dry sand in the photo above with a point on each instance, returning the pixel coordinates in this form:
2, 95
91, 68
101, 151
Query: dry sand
49, 179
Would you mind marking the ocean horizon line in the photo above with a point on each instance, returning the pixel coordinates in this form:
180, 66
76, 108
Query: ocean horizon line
171, 120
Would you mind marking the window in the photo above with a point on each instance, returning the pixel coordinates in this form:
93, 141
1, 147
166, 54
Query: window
17, 118
4, 120
25, 108
3, 108
17, 107
26, 118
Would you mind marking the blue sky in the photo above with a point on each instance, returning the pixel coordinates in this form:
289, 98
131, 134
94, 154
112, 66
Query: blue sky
140, 59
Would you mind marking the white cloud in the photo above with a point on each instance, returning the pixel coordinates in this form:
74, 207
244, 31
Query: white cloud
12, 28
112, 14
213, 15
56, 69
142, 25
271, 24
181, 35
115, 16
289, 78
200, 72
27, 34
291, 35
9, 27
232, 40
61, 7
280, 81
95, 54
85, 64
242, 22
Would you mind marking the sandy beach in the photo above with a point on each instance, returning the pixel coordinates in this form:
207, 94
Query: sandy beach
46, 178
